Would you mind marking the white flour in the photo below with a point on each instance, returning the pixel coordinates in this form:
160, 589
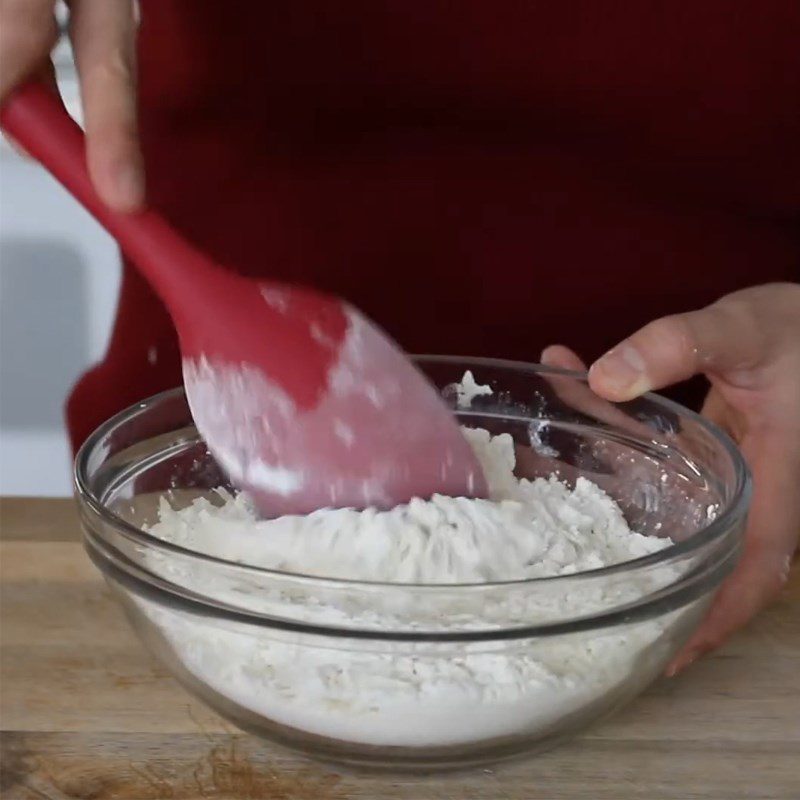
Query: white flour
529, 529
412, 694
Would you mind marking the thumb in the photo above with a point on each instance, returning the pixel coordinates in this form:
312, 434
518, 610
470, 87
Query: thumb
719, 338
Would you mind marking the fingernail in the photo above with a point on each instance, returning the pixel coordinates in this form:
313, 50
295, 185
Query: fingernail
622, 370
129, 185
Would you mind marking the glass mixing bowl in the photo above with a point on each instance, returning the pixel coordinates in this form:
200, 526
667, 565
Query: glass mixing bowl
426, 675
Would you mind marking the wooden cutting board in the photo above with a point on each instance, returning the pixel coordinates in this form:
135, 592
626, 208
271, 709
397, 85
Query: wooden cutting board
86, 713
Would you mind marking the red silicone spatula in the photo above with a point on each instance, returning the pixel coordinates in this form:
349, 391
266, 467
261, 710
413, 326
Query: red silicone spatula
301, 399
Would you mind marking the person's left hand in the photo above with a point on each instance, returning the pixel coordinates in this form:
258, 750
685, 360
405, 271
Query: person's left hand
748, 346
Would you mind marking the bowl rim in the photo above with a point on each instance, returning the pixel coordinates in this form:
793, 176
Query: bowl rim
715, 530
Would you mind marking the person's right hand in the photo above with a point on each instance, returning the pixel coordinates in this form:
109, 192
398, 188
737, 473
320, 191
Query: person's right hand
103, 35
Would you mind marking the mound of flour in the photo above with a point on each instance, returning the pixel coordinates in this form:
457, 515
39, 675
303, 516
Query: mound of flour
407, 693
527, 529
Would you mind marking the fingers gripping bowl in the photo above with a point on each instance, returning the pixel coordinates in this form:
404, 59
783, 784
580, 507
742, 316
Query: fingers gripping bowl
419, 673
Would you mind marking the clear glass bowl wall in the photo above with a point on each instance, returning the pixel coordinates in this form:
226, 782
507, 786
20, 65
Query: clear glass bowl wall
304, 660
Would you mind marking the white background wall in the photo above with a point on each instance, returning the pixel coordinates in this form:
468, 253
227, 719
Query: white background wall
59, 279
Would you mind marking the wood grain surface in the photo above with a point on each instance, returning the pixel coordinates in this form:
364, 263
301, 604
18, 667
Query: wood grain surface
86, 713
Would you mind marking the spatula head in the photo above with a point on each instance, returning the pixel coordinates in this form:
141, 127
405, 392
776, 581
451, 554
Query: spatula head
339, 418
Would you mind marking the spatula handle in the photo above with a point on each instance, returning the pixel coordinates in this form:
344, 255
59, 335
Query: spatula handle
35, 117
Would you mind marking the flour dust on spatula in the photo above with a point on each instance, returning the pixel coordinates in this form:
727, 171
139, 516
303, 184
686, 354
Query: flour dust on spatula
378, 435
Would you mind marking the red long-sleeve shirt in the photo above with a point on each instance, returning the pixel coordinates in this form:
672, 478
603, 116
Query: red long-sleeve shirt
480, 177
